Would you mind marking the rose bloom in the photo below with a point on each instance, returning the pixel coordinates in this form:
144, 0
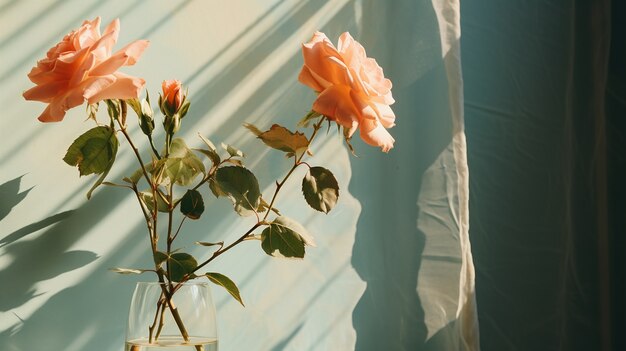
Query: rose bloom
81, 67
172, 94
353, 90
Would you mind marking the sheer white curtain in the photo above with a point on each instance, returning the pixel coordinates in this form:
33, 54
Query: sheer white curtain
392, 269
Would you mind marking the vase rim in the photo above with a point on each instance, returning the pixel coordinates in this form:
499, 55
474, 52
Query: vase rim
187, 283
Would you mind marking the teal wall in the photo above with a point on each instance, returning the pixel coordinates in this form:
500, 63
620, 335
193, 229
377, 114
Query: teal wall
386, 270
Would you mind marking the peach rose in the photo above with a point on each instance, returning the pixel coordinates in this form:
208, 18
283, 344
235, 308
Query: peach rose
172, 95
353, 90
81, 67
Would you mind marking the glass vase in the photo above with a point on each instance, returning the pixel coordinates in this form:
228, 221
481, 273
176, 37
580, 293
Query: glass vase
186, 323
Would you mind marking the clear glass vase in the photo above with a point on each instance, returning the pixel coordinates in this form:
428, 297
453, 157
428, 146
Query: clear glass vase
187, 322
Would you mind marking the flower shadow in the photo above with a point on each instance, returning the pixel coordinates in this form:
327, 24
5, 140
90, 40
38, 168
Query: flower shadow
98, 303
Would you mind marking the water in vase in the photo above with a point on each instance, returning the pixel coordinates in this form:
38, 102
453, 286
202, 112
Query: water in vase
173, 343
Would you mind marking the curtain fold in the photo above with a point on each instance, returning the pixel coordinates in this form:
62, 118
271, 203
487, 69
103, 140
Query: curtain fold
429, 283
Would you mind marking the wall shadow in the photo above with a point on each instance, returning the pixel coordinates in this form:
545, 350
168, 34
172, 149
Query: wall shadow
10, 196
48, 254
33, 227
98, 296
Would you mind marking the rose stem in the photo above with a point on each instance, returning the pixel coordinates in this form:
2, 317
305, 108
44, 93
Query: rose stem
297, 162
152, 228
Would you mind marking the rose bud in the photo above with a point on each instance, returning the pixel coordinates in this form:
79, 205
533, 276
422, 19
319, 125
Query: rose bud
171, 98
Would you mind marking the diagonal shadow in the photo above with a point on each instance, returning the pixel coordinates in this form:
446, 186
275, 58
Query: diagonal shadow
31, 228
284, 342
168, 16
8, 5
10, 196
63, 234
15, 69
92, 314
48, 255
16, 34
219, 86
239, 36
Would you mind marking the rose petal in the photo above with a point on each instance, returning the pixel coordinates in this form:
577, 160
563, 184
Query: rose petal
335, 103
134, 51
57, 108
100, 47
172, 93
374, 134
66, 64
324, 61
45, 92
94, 85
352, 52
48, 116
307, 78
124, 87
384, 113
63, 68
87, 34
81, 72
125, 57
113, 27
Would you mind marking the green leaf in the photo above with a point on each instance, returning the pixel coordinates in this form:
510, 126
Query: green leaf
203, 243
138, 173
92, 110
192, 204
281, 138
226, 283
208, 143
181, 166
160, 257
135, 105
235, 161
215, 188
320, 189
304, 122
232, 151
148, 199
211, 152
94, 153
128, 270
264, 206
113, 107
180, 264
285, 237
214, 157
184, 108
241, 186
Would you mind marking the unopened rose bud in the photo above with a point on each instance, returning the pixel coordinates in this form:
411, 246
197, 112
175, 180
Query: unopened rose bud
172, 97
146, 122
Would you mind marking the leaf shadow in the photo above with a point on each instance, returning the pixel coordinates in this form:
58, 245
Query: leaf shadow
10, 196
33, 227
94, 322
